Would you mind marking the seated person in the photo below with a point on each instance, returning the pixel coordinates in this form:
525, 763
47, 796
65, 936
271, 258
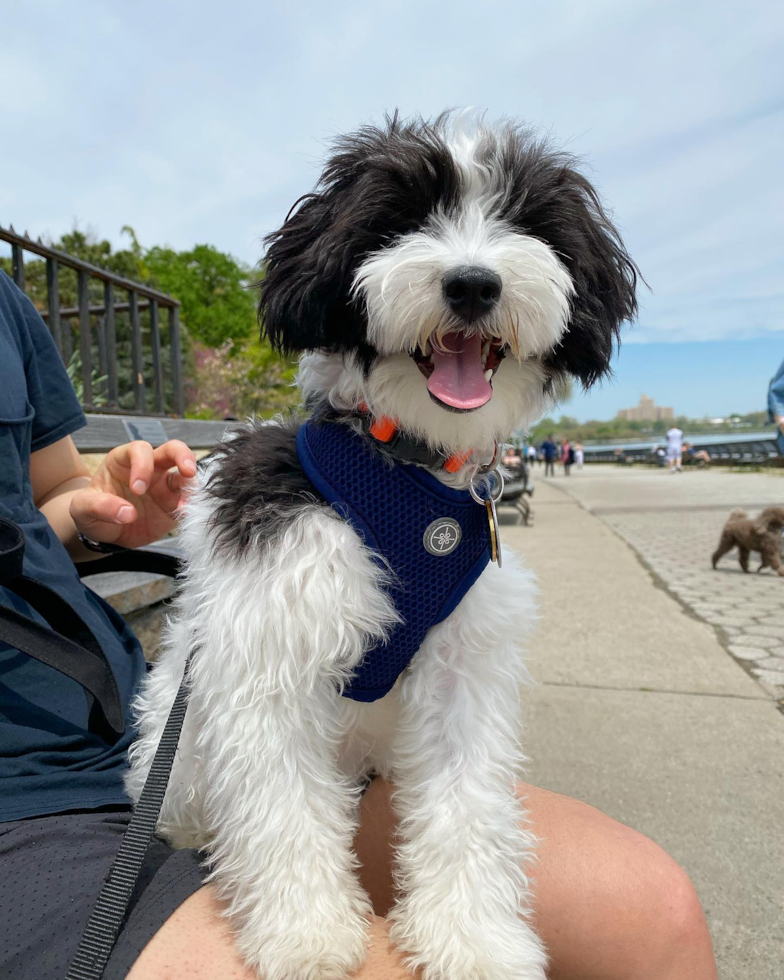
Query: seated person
697, 457
609, 903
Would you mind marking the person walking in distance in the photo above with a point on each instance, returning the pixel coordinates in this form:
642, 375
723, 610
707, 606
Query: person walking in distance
567, 457
549, 452
675, 449
579, 455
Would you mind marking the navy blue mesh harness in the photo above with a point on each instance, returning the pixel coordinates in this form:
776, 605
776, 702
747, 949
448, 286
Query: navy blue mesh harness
394, 508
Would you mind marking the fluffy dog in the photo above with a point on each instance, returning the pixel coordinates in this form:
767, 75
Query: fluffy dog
445, 278
763, 534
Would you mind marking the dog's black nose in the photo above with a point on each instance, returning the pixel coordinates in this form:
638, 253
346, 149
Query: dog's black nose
471, 291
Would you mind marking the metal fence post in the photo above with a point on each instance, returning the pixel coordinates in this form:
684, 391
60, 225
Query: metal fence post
53, 302
155, 342
176, 360
110, 332
85, 345
137, 360
17, 265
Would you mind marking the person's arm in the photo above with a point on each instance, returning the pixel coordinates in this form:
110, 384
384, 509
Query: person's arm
132, 500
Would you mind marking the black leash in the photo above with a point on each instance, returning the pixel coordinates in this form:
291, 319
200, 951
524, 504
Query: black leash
111, 905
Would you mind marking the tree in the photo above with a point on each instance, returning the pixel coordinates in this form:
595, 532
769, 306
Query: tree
213, 287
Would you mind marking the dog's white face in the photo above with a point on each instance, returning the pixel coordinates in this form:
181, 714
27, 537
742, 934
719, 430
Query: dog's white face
446, 278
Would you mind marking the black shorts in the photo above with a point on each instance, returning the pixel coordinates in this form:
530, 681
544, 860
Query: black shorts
51, 869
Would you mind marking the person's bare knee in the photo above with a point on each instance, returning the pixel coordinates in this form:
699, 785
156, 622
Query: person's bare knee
609, 902
680, 940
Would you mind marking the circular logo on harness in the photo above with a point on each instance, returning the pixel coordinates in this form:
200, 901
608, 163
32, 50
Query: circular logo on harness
442, 536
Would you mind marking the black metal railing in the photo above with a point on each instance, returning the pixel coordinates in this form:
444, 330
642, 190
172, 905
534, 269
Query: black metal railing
119, 360
759, 448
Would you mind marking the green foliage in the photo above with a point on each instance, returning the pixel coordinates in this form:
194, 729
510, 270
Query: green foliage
74, 372
618, 429
213, 288
240, 381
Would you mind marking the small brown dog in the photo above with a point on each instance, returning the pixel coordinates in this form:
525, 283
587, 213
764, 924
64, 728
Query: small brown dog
762, 534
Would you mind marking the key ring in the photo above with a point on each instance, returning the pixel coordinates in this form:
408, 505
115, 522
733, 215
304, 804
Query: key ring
499, 487
492, 466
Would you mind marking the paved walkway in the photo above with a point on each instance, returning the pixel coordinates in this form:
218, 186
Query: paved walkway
641, 709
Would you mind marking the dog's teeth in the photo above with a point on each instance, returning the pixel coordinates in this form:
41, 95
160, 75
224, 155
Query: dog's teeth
488, 374
485, 350
428, 348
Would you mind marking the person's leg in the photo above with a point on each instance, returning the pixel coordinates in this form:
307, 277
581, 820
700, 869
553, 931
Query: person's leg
196, 944
609, 903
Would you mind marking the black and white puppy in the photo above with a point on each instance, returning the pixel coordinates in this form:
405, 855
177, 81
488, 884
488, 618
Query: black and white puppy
447, 277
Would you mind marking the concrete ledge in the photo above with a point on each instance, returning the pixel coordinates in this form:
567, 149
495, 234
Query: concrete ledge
129, 591
140, 597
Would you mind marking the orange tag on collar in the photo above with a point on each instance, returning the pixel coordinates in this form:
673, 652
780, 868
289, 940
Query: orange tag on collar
456, 461
383, 429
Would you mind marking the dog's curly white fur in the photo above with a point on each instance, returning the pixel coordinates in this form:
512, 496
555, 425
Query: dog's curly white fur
281, 599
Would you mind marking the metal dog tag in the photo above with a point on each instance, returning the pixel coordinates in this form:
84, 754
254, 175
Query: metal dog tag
491, 491
495, 536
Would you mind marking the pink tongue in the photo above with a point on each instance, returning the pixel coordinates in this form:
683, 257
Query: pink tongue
458, 378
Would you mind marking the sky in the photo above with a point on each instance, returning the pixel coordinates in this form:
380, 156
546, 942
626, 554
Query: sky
203, 122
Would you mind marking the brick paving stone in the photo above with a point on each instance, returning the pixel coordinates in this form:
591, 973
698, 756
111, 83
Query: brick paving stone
733, 620
758, 642
745, 653
777, 632
773, 679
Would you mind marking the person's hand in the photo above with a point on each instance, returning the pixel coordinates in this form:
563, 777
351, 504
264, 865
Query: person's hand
780, 423
134, 496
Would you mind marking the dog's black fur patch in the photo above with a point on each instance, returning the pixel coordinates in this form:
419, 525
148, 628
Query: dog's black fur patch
544, 195
377, 185
258, 485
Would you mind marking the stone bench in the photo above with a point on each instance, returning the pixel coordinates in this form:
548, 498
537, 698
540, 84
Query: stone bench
141, 599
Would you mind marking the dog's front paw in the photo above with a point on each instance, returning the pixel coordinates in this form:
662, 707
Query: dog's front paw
445, 949
329, 950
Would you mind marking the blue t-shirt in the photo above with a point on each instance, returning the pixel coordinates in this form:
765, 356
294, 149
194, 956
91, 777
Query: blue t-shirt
49, 759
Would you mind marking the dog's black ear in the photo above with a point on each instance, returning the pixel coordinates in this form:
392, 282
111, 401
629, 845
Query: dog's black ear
604, 276
304, 295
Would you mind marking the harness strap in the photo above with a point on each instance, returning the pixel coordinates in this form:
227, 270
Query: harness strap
67, 644
111, 906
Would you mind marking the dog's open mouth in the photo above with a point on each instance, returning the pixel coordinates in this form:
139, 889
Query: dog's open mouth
459, 370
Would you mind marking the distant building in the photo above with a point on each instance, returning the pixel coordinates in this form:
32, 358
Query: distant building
646, 411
